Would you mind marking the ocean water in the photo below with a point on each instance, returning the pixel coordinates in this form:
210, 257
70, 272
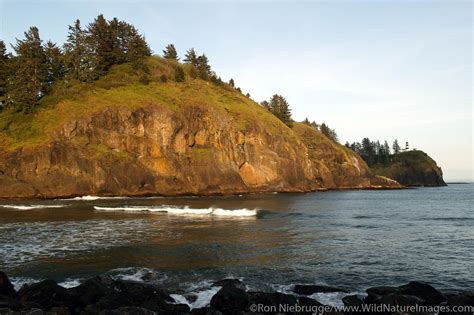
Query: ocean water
352, 239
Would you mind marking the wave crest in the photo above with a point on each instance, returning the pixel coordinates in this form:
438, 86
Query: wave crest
184, 211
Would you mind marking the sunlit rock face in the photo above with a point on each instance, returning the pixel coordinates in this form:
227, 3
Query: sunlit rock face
197, 150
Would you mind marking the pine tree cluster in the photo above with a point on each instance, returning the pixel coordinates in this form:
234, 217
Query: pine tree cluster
29, 73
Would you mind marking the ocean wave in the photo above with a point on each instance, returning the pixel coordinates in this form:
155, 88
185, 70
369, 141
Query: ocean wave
184, 211
30, 207
92, 198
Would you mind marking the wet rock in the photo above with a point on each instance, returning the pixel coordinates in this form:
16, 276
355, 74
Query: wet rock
121, 294
352, 300
6, 287
205, 311
230, 300
381, 290
308, 289
128, 311
272, 299
236, 283
460, 298
48, 294
395, 299
92, 290
306, 301
149, 276
422, 290
59, 311
9, 302
111, 301
177, 308
375, 293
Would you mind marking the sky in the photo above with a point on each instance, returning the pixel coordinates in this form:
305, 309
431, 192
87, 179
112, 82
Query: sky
379, 69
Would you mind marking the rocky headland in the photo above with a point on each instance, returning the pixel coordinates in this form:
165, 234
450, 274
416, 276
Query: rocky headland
117, 136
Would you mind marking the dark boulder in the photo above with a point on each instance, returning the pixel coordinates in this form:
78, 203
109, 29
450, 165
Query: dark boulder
394, 299
424, 291
48, 294
308, 289
119, 294
9, 302
236, 283
272, 299
92, 290
382, 290
352, 300
308, 305
6, 287
464, 300
128, 311
460, 298
374, 294
205, 311
230, 300
112, 301
59, 311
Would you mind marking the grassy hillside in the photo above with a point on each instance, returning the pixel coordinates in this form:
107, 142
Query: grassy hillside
125, 86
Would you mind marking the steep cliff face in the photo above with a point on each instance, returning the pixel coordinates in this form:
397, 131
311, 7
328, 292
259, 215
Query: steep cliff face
412, 168
169, 139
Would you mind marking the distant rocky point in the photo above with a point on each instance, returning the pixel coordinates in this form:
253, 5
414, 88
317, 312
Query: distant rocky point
412, 168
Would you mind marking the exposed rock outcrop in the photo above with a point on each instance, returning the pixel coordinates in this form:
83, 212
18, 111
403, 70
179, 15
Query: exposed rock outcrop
152, 150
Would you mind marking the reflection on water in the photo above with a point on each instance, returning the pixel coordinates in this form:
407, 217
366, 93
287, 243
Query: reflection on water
353, 239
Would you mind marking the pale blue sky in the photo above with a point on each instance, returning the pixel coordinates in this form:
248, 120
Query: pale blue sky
382, 69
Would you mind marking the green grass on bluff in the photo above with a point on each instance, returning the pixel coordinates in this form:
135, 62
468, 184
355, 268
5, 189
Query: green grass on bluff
122, 87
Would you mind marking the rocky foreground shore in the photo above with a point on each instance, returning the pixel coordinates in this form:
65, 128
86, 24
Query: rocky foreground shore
104, 295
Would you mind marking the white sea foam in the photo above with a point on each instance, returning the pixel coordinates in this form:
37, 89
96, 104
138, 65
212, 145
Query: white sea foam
333, 298
70, 283
18, 282
235, 213
184, 211
30, 207
91, 198
202, 293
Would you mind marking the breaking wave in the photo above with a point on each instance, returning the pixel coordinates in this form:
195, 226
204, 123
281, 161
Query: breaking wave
184, 211
90, 198
30, 207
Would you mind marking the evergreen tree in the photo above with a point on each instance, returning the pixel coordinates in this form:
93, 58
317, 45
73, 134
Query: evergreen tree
179, 75
4, 72
367, 148
28, 82
191, 57
203, 67
386, 148
137, 49
78, 57
170, 52
231, 82
396, 147
101, 40
328, 132
280, 108
265, 105
55, 69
